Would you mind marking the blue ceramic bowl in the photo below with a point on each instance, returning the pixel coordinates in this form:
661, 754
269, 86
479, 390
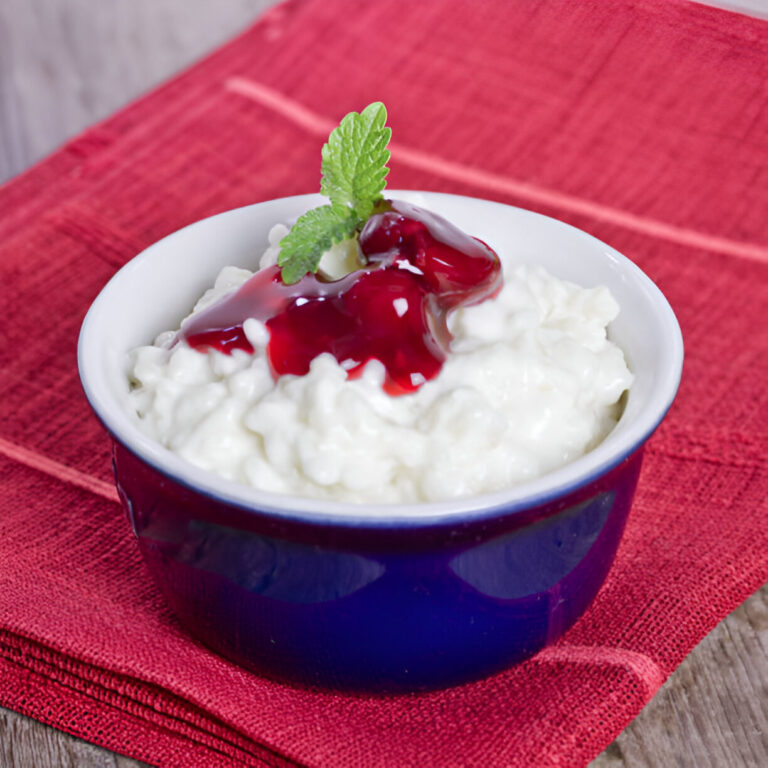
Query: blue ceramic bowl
381, 597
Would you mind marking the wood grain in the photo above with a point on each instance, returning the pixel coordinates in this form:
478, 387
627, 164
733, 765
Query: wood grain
25, 743
713, 711
65, 65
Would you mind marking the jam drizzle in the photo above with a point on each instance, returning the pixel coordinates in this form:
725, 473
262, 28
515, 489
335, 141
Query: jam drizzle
419, 267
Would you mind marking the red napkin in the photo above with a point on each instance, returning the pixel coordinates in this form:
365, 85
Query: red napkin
641, 122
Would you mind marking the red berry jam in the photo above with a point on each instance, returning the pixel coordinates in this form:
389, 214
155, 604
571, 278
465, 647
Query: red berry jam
419, 267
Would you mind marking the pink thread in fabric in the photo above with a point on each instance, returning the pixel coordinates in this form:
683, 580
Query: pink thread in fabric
641, 666
320, 125
59, 471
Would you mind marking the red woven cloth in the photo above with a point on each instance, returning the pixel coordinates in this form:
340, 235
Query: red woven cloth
641, 122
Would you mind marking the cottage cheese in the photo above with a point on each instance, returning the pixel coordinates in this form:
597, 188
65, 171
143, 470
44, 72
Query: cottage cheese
532, 383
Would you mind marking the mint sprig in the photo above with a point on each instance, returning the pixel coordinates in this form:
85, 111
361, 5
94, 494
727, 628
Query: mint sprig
310, 237
355, 160
354, 166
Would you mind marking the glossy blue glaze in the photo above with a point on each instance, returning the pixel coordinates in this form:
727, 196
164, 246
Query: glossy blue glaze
371, 607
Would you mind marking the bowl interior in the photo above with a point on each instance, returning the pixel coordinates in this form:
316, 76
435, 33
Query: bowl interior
159, 287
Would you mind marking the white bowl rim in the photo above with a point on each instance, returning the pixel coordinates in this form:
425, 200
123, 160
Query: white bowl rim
534, 493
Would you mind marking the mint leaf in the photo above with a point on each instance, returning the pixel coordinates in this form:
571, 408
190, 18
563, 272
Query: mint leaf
354, 175
355, 160
313, 233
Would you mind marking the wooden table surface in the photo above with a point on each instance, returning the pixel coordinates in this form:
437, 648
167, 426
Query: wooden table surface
65, 65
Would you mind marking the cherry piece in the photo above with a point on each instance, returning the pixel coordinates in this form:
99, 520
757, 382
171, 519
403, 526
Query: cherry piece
419, 267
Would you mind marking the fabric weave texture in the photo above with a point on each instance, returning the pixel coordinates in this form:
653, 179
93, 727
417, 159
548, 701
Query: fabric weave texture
642, 122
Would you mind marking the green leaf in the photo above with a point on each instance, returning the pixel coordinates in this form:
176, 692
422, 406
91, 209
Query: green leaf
354, 175
355, 160
313, 233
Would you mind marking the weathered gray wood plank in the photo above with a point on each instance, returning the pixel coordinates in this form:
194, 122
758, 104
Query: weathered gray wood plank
66, 64
713, 711
25, 743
